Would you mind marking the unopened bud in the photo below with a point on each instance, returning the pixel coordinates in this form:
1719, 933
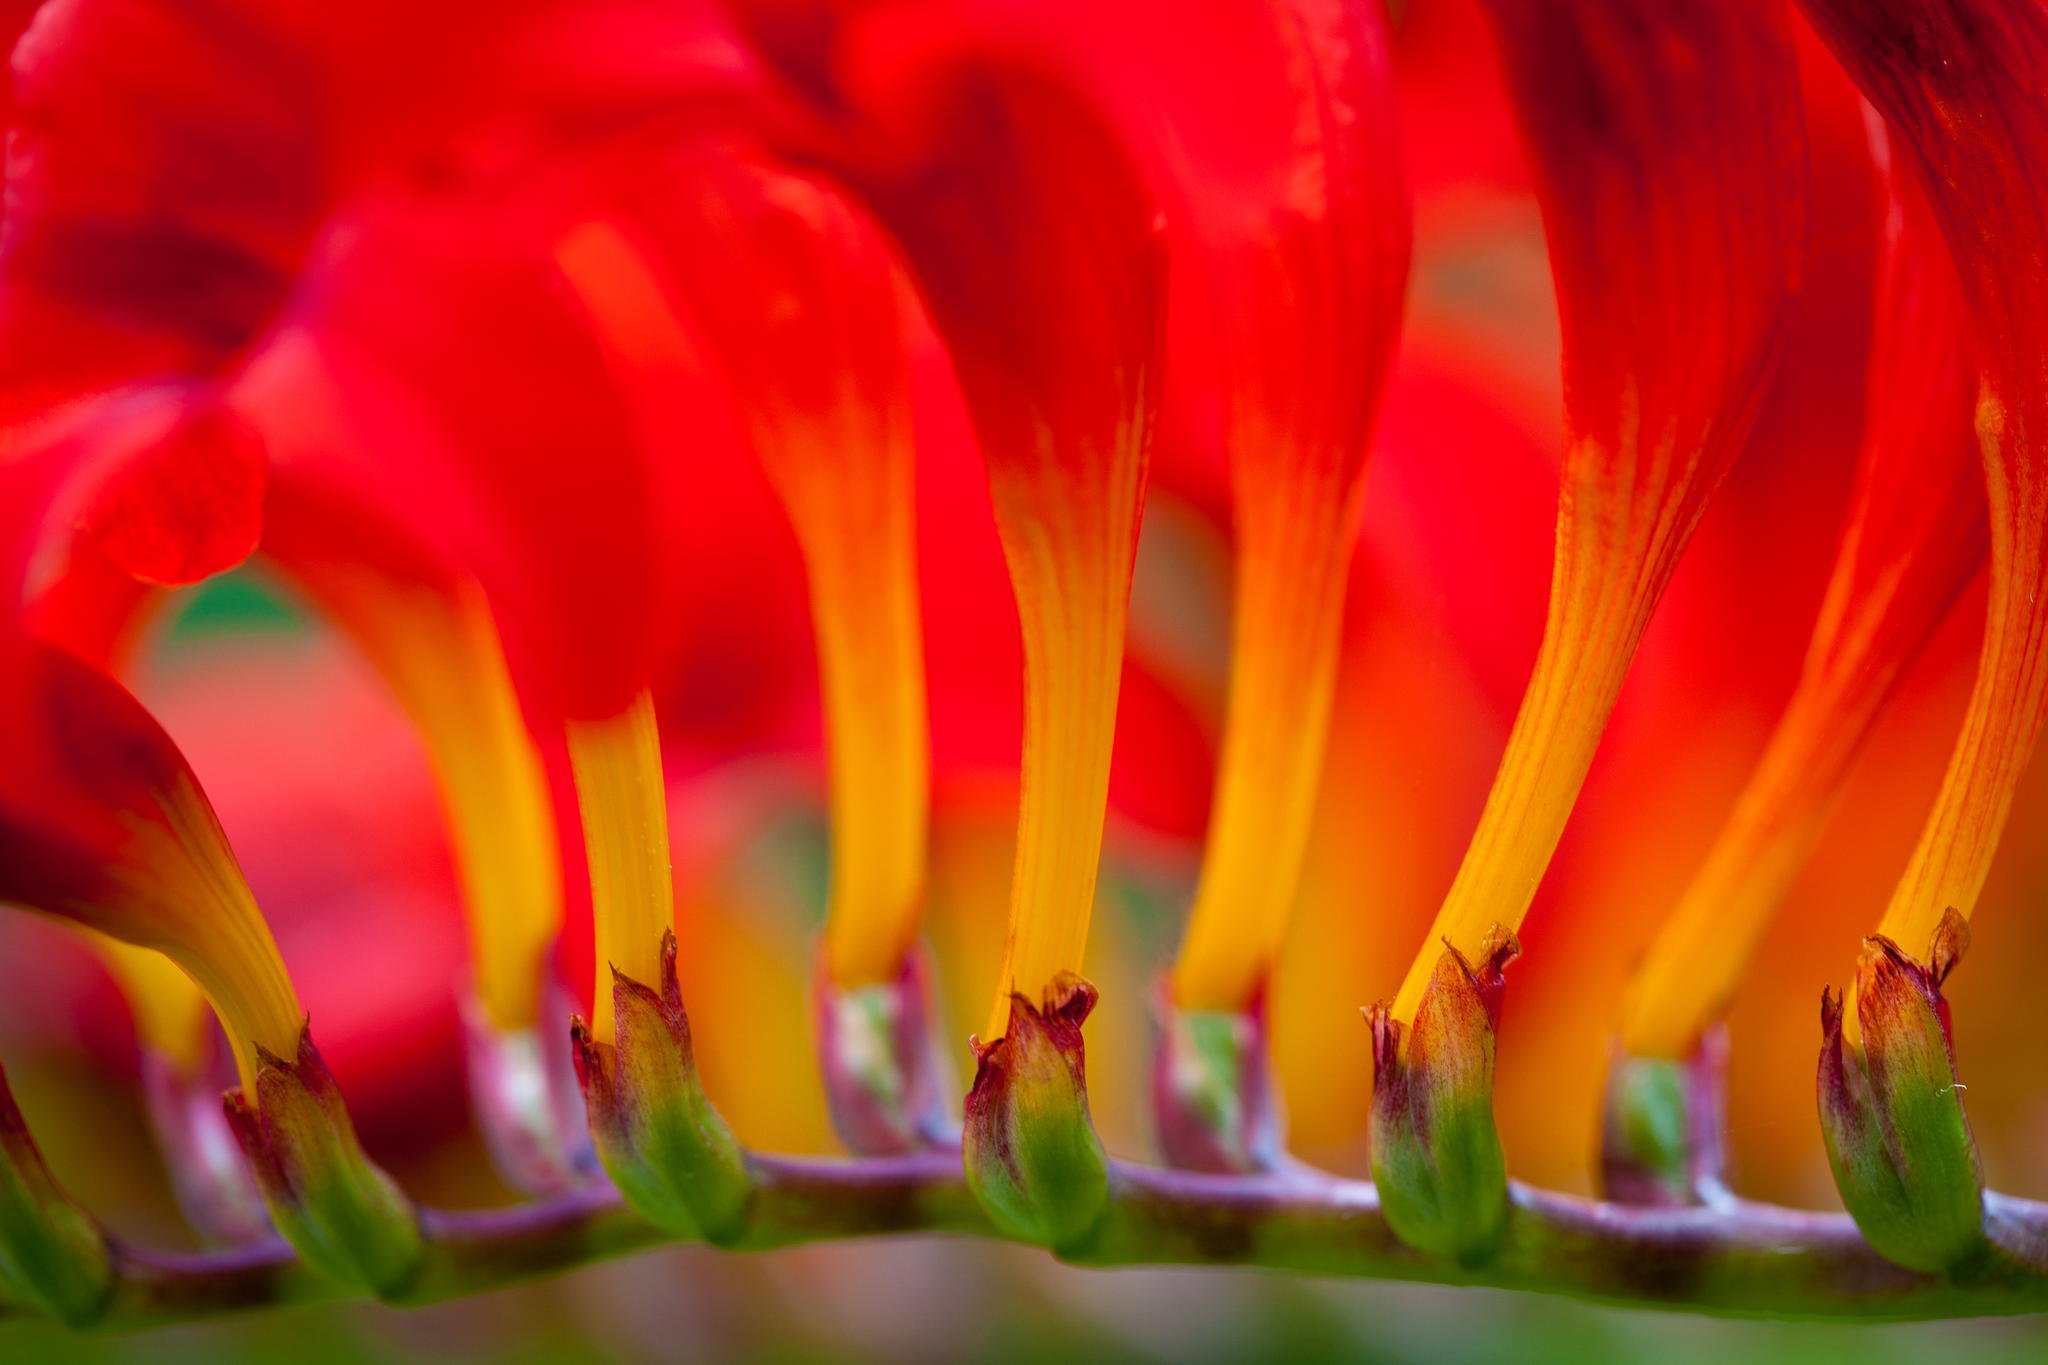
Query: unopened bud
342, 1214
666, 1148
1033, 1159
1436, 1155
1892, 1111
1210, 1094
881, 1075
1662, 1136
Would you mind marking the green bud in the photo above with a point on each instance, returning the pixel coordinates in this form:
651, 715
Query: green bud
1892, 1111
666, 1148
342, 1214
1661, 1139
1033, 1159
1436, 1155
1211, 1099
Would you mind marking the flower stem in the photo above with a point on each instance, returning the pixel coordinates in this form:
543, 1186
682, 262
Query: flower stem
1742, 1259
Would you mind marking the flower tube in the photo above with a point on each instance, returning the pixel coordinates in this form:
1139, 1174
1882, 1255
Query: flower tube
1915, 536
1293, 228
575, 556
1667, 147
974, 158
426, 627
1666, 143
1959, 81
1051, 318
103, 825
1308, 288
806, 324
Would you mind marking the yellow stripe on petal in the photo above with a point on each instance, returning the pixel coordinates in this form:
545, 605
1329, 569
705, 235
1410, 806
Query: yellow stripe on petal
624, 801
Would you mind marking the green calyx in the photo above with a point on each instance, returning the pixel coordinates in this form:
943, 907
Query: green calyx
667, 1149
1892, 1114
1032, 1157
344, 1215
1436, 1155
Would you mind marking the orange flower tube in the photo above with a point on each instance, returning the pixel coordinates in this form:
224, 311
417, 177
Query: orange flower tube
1666, 142
1914, 539
1307, 285
806, 323
977, 165
1960, 82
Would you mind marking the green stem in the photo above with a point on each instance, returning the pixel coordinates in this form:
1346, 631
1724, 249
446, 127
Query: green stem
1743, 1259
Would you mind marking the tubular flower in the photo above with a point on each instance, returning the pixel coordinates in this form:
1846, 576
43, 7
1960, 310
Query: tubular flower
1960, 81
427, 628
807, 327
1674, 240
1052, 321
970, 157
429, 632
105, 826
1914, 538
1308, 281
114, 834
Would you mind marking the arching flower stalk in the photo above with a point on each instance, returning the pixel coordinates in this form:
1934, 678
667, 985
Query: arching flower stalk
1666, 142
1915, 536
1305, 267
806, 326
1959, 81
